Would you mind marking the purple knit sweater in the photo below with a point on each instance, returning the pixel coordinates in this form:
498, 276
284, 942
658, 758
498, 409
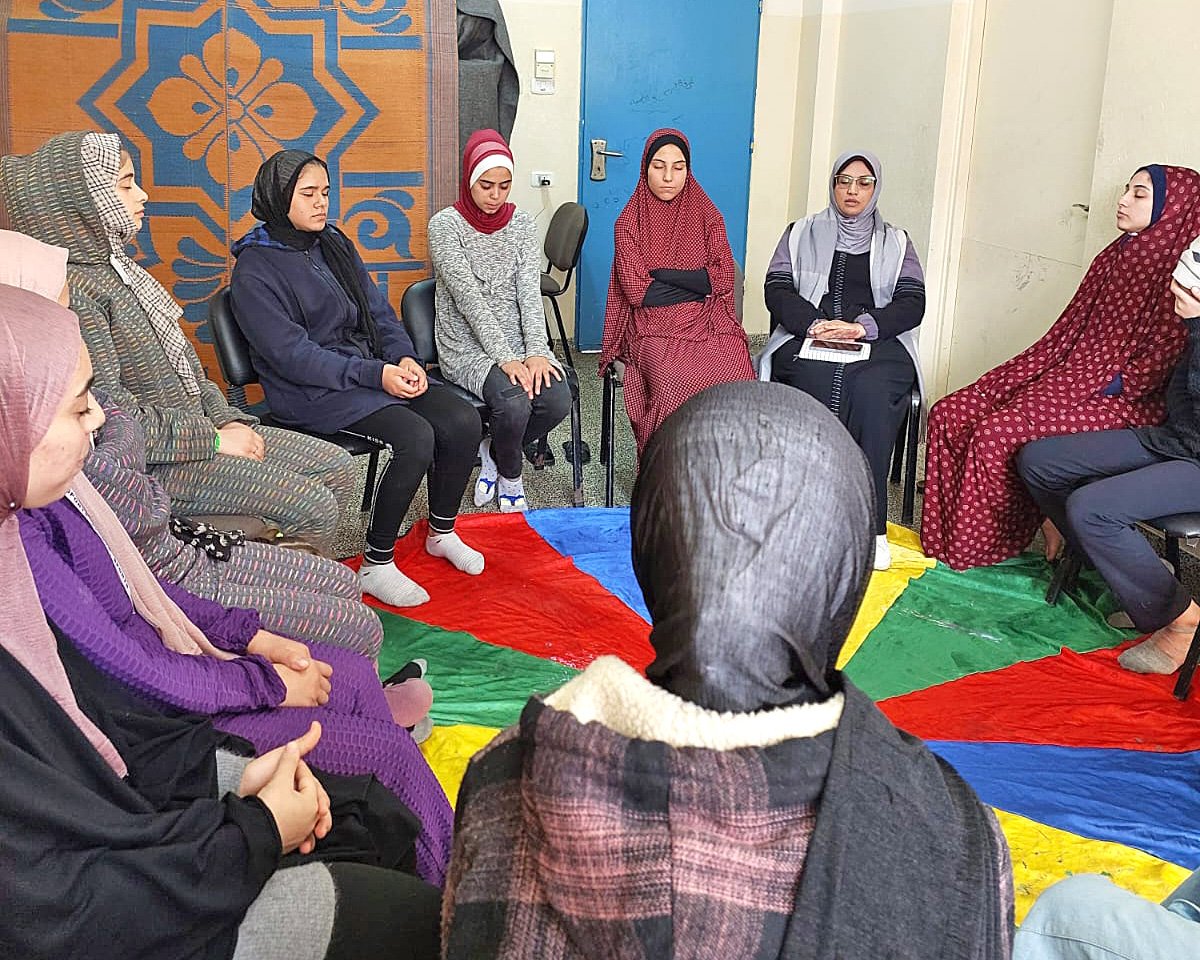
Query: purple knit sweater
83, 596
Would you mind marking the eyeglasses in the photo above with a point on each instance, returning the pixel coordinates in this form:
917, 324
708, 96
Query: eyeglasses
845, 181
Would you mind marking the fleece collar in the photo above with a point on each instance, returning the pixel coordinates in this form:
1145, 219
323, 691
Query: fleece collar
613, 694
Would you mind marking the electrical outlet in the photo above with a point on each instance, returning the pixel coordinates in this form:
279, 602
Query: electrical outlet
541, 178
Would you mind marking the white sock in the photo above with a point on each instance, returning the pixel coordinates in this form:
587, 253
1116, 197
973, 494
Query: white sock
485, 483
883, 553
449, 546
511, 494
385, 582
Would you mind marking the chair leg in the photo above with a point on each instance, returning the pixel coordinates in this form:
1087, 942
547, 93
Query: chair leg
1172, 555
610, 404
1183, 685
1064, 577
562, 333
369, 488
910, 467
898, 450
605, 423
576, 453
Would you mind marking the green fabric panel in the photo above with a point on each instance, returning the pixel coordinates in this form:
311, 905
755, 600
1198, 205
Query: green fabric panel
947, 625
473, 682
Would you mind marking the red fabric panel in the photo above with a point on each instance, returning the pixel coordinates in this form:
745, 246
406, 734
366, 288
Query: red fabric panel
529, 597
1071, 700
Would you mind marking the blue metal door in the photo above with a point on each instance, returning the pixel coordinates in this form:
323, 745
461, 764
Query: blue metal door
688, 64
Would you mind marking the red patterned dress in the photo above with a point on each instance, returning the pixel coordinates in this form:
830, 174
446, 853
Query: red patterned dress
671, 353
1121, 322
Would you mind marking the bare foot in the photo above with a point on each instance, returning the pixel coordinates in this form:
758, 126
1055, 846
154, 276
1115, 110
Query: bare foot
1054, 540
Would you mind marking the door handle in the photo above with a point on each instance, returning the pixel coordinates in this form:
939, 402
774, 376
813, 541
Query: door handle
599, 155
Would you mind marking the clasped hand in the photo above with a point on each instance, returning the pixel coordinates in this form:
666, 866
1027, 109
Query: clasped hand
837, 330
406, 379
240, 440
307, 680
287, 787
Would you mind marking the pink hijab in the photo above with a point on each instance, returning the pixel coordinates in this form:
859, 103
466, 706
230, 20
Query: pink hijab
39, 350
485, 149
32, 265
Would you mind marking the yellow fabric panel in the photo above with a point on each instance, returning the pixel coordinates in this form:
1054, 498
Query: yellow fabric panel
886, 586
448, 750
1043, 855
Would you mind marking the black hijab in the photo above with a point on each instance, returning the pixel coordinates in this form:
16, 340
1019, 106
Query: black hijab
274, 186
752, 542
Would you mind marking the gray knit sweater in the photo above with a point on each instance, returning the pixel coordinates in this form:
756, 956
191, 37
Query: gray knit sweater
489, 296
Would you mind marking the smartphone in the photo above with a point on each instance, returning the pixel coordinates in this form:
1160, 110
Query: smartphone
850, 346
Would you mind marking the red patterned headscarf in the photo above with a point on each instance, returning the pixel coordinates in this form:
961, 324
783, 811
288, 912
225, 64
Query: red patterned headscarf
1122, 310
652, 233
485, 150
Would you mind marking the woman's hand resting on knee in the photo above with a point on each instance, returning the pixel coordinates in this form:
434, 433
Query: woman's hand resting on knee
518, 373
284, 783
239, 440
540, 370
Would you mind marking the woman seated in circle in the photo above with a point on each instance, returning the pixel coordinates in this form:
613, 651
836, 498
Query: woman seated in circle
127, 833
743, 798
671, 315
296, 594
80, 191
331, 355
1095, 487
1103, 365
491, 325
847, 277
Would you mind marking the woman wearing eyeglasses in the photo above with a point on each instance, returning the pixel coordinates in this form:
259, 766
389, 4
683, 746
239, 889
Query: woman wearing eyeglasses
846, 293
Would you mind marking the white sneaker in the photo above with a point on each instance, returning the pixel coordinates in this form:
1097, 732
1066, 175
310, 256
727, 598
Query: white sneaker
485, 485
883, 553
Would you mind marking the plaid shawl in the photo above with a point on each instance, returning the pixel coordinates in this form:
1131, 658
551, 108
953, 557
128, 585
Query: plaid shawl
574, 841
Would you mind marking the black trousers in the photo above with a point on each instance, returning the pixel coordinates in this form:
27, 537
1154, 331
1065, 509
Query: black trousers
1095, 487
437, 434
383, 915
516, 420
869, 397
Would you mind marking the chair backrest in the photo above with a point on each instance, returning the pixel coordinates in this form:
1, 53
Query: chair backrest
417, 315
229, 343
565, 236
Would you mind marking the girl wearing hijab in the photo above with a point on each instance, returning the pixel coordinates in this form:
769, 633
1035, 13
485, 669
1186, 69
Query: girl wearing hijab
1096, 487
671, 315
79, 191
844, 275
126, 833
331, 355
491, 325
174, 651
743, 799
1102, 365
296, 594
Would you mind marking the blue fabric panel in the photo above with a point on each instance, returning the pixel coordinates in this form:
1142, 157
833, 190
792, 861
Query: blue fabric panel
597, 539
1146, 800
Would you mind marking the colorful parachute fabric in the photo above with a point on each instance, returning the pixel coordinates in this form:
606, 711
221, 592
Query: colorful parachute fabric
1090, 768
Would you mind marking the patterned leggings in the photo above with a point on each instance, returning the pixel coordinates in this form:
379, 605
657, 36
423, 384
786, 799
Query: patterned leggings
300, 487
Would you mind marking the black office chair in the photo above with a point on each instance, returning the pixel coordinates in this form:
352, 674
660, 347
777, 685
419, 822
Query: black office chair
1179, 526
564, 241
233, 357
904, 455
418, 314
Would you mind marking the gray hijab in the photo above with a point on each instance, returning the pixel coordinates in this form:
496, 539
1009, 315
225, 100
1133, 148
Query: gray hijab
752, 539
854, 233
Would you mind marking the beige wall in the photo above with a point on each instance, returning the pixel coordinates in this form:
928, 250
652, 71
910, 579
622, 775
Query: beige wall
1034, 145
1150, 113
546, 135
